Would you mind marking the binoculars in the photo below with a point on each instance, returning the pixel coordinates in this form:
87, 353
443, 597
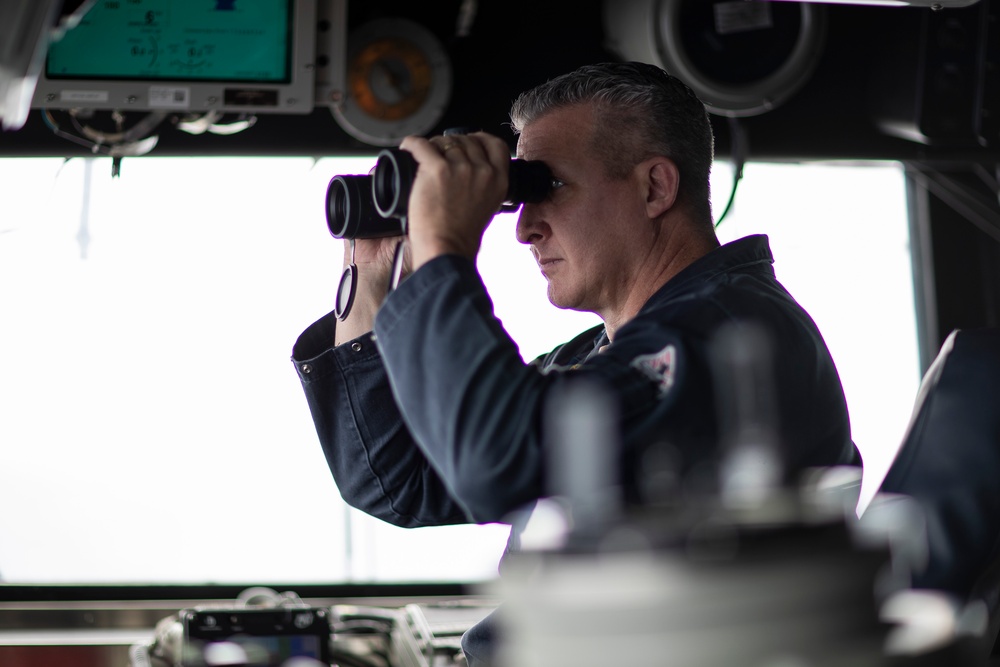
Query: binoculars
374, 206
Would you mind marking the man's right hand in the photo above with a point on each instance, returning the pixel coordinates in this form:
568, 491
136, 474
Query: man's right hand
373, 258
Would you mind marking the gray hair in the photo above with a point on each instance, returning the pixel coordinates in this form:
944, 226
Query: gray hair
642, 111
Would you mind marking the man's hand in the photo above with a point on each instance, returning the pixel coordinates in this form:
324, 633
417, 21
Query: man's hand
460, 184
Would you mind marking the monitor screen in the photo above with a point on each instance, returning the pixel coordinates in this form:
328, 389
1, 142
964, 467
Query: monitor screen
212, 40
244, 55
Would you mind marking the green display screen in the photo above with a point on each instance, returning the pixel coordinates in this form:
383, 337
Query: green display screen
186, 40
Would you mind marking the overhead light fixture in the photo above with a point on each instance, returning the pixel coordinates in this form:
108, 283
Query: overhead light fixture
740, 58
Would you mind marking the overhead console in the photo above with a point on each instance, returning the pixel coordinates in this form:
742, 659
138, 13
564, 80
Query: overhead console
333, 77
198, 64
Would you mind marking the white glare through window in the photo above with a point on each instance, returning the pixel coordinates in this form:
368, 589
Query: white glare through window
154, 430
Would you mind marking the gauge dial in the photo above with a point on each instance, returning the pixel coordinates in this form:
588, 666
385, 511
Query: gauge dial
398, 82
390, 79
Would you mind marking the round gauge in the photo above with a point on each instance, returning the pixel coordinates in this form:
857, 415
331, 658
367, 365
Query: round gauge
398, 82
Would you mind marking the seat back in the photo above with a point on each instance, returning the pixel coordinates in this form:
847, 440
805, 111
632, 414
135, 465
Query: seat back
950, 461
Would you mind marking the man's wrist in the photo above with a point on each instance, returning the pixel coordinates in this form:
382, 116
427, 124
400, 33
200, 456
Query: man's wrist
426, 249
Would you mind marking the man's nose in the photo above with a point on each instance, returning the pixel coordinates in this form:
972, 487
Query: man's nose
530, 227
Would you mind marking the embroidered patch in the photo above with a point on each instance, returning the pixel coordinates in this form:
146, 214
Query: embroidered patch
659, 367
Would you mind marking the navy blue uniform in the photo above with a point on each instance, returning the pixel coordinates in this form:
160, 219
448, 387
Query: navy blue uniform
436, 419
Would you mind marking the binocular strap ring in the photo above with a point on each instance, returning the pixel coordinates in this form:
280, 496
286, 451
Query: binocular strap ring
346, 289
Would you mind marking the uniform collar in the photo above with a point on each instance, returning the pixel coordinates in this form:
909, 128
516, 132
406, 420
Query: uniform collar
742, 253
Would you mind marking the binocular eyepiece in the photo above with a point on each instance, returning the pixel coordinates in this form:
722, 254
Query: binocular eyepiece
374, 206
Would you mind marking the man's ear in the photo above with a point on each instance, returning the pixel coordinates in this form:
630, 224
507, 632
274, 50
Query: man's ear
661, 181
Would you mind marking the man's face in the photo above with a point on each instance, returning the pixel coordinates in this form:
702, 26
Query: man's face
587, 235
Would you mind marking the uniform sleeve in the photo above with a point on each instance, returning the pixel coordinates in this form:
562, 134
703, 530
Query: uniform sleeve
371, 453
474, 407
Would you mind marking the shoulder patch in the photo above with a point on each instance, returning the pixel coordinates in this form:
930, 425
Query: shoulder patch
660, 367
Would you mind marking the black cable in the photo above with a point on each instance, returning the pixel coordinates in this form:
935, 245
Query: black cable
138, 132
738, 147
51, 123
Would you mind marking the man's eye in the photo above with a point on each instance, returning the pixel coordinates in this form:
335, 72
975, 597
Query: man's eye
556, 184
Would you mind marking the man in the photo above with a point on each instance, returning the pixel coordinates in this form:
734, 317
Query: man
436, 420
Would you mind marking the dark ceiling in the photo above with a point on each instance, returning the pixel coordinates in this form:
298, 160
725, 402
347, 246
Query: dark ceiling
882, 73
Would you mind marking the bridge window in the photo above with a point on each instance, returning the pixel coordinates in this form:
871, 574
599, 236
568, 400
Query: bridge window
154, 430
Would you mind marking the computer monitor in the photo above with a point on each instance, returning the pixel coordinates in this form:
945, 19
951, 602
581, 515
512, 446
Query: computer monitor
253, 56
